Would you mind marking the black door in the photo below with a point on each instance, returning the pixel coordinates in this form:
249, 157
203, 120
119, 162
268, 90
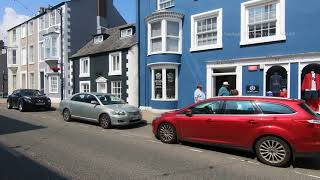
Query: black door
42, 82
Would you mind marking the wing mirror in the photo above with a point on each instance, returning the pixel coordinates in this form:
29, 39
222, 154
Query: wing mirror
95, 102
188, 112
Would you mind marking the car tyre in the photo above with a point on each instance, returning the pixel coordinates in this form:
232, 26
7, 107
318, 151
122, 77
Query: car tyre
273, 151
167, 133
21, 106
66, 115
105, 121
9, 105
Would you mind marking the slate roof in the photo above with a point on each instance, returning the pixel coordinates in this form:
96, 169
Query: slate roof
112, 43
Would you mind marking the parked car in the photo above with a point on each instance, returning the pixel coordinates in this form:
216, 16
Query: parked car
107, 110
28, 99
275, 129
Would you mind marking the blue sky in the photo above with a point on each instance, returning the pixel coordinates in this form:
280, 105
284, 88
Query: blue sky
30, 7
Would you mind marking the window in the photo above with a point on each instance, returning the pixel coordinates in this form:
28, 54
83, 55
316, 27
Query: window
85, 67
115, 64
31, 28
102, 87
24, 56
31, 81
207, 108
54, 45
98, 39
206, 30
14, 82
90, 98
271, 108
52, 18
126, 32
46, 21
14, 35
239, 107
53, 84
51, 47
23, 31
116, 88
41, 23
165, 37
41, 47
164, 83
164, 4
85, 86
262, 21
31, 55
23, 80
14, 56
79, 98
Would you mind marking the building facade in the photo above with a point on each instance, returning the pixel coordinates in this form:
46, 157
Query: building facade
42, 46
109, 64
259, 46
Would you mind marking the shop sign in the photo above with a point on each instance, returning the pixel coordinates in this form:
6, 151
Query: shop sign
252, 89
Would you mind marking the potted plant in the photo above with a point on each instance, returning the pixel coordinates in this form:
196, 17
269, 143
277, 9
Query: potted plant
55, 68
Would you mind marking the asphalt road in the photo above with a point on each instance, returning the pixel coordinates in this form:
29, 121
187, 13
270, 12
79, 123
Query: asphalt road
40, 145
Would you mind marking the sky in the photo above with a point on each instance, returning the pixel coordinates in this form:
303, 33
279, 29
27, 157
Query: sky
13, 12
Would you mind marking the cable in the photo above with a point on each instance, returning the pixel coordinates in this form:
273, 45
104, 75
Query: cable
24, 6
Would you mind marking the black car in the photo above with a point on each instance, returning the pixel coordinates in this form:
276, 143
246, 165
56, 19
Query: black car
28, 99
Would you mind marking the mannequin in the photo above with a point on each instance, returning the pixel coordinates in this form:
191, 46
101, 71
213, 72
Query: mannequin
275, 84
311, 88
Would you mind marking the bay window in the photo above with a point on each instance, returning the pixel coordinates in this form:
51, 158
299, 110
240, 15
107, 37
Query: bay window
262, 21
165, 36
51, 47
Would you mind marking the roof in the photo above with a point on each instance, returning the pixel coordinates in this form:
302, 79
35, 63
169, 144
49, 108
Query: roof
113, 42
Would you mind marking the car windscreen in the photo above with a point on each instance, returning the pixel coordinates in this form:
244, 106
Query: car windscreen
110, 99
30, 93
305, 107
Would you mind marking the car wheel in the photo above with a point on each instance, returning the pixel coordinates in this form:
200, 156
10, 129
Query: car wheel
273, 151
21, 107
167, 133
105, 121
9, 105
66, 115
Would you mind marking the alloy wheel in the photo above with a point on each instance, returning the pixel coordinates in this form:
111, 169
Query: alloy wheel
66, 115
105, 122
272, 151
167, 133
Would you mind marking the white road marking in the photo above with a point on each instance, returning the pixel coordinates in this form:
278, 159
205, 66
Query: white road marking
309, 175
125, 135
155, 141
195, 150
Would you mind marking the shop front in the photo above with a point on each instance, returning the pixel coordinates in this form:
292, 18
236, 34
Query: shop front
294, 76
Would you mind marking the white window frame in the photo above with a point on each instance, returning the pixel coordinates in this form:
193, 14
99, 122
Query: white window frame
118, 87
31, 28
280, 25
24, 56
164, 36
23, 31
50, 17
159, 3
12, 57
81, 73
31, 54
14, 35
126, 33
99, 87
98, 39
53, 91
112, 72
24, 73
218, 13
164, 82
14, 82
41, 51
83, 83
48, 42
32, 84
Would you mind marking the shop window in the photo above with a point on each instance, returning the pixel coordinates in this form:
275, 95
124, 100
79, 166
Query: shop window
277, 81
164, 83
310, 87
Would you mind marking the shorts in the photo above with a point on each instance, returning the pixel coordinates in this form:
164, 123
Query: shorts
311, 95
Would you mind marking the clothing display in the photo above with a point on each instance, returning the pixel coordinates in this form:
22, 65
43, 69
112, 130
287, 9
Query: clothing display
275, 84
283, 94
311, 89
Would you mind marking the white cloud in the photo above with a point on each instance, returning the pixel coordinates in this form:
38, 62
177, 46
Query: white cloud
10, 19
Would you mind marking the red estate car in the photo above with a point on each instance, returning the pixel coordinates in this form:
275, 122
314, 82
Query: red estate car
275, 129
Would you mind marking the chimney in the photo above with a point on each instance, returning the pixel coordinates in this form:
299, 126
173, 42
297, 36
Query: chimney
41, 10
101, 15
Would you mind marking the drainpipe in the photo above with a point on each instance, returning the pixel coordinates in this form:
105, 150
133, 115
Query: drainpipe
27, 55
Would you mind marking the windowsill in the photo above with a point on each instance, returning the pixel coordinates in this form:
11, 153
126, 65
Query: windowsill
163, 52
212, 47
168, 100
263, 40
84, 75
115, 74
53, 92
31, 63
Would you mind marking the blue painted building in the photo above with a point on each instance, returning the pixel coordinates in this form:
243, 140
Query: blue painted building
247, 43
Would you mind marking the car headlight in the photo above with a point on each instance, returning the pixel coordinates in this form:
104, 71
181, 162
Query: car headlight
119, 113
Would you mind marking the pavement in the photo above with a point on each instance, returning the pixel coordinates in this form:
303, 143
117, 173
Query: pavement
40, 145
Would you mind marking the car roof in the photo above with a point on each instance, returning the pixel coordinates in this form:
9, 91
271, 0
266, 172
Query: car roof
256, 98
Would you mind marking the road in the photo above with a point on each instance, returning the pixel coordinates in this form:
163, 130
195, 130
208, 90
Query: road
40, 145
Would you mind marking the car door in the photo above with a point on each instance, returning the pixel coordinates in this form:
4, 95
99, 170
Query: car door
198, 127
77, 102
238, 123
91, 111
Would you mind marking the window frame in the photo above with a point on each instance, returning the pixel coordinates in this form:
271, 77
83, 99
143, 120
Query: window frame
219, 112
51, 90
274, 103
81, 61
31, 54
113, 72
280, 23
14, 57
14, 35
125, 33
81, 89
32, 84
31, 27
164, 36
159, 4
99, 87
119, 87
24, 56
23, 31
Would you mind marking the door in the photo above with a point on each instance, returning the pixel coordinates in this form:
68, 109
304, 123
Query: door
199, 127
91, 111
42, 82
77, 102
237, 124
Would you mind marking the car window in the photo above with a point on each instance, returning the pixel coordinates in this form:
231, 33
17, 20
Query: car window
212, 107
78, 98
30, 92
239, 107
90, 98
273, 108
305, 107
110, 99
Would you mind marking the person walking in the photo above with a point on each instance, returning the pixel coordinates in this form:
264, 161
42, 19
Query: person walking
199, 94
223, 91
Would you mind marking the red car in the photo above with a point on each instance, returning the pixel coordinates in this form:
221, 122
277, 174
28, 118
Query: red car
275, 129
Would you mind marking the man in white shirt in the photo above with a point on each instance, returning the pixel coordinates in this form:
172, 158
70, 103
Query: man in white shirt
199, 94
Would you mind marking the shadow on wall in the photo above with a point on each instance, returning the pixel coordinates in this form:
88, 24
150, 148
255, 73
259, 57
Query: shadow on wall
9, 126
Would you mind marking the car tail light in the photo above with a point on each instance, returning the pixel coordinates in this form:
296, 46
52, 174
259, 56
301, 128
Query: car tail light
315, 123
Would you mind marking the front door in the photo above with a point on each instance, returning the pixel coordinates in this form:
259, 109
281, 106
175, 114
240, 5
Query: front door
42, 82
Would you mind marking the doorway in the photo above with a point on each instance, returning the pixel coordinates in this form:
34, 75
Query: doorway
42, 82
218, 81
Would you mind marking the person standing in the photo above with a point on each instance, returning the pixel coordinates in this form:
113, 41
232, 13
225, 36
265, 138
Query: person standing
199, 94
223, 91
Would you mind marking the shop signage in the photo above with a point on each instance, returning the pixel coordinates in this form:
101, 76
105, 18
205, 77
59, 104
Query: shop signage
252, 89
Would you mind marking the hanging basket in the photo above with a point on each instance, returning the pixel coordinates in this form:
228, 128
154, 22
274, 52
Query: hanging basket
55, 69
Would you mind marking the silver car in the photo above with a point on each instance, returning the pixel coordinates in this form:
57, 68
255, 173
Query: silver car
107, 110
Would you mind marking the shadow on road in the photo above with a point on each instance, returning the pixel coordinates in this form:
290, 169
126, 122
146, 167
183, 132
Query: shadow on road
14, 165
138, 125
308, 163
9, 125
